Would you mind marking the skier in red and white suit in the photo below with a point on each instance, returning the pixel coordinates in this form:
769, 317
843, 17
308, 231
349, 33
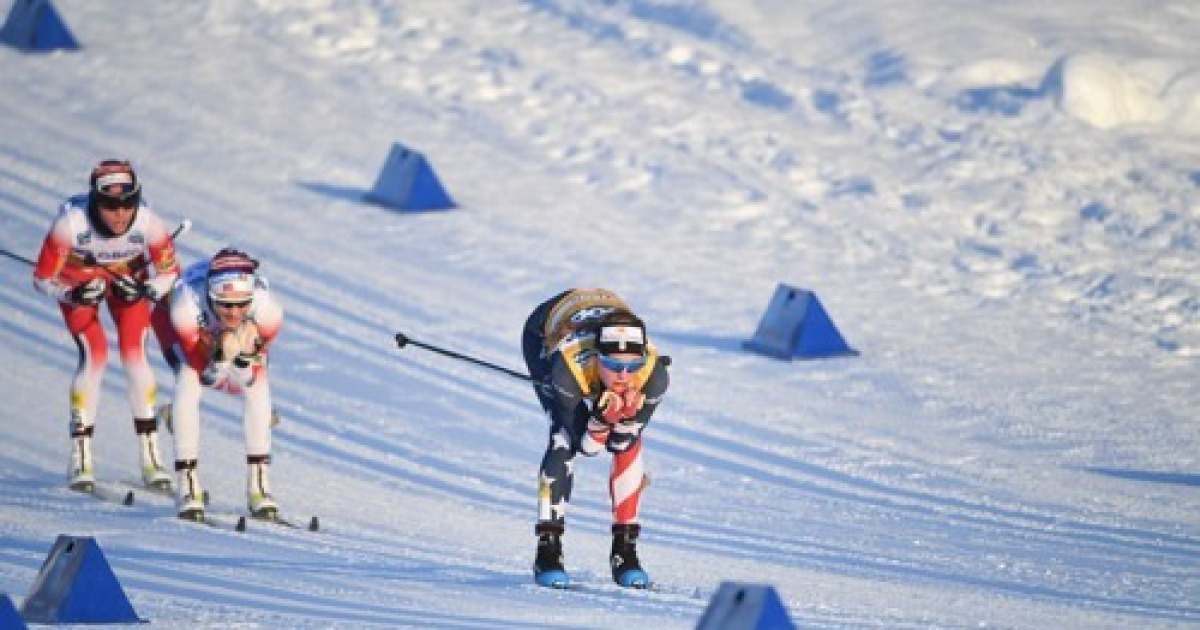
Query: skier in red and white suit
109, 246
226, 318
599, 379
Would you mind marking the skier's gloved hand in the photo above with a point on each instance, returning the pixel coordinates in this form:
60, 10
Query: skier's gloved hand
214, 373
610, 407
245, 360
158, 287
632, 400
128, 289
242, 371
88, 293
615, 406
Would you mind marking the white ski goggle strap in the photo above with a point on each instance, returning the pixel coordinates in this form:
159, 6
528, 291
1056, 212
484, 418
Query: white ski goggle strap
613, 339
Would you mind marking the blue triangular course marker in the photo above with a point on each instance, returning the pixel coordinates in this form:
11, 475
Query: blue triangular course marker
10, 619
796, 325
34, 25
741, 606
76, 585
407, 182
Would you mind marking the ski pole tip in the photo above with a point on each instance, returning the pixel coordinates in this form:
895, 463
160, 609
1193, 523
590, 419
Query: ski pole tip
401, 340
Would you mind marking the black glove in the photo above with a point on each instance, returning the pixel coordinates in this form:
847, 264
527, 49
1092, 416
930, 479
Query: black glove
246, 360
128, 289
88, 293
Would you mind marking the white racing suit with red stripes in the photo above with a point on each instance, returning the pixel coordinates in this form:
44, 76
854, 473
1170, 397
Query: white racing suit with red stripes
197, 326
558, 345
74, 251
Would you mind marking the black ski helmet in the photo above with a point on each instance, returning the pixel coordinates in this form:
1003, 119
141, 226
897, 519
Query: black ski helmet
112, 182
621, 331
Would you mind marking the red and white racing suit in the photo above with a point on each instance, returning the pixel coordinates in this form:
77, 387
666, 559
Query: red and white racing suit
74, 252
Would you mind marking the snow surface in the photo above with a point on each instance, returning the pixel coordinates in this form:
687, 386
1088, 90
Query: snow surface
997, 203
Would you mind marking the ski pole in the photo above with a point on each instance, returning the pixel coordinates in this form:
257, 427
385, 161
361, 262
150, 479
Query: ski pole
17, 257
404, 340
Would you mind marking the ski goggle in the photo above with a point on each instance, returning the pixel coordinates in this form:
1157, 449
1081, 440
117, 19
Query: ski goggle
619, 365
231, 305
115, 203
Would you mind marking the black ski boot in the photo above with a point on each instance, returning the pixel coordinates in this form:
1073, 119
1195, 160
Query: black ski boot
548, 567
626, 569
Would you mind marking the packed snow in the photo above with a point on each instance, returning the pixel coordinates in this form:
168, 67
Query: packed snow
998, 204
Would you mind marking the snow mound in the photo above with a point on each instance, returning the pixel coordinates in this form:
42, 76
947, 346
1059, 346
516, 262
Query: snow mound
1107, 93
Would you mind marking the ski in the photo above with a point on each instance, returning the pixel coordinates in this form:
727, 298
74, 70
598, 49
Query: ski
158, 491
104, 492
606, 587
240, 522
213, 521
558, 581
313, 525
125, 494
613, 587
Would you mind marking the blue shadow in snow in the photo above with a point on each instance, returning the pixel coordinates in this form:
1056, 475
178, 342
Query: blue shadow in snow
1095, 211
1007, 100
1181, 479
828, 102
356, 195
698, 340
766, 94
856, 186
345, 193
886, 68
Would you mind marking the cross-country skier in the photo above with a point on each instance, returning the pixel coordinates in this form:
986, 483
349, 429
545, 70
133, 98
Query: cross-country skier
109, 246
225, 318
599, 379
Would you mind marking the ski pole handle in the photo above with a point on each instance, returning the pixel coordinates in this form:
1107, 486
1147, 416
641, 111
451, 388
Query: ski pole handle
403, 340
184, 227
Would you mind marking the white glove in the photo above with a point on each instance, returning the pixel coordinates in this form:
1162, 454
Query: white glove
214, 373
158, 287
239, 351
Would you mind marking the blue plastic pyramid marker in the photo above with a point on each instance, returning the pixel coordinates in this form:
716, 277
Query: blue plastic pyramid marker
34, 25
739, 606
10, 619
76, 585
407, 182
796, 325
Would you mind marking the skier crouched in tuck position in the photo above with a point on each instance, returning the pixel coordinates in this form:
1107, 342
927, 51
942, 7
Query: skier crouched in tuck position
225, 318
110, 247
599, 380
